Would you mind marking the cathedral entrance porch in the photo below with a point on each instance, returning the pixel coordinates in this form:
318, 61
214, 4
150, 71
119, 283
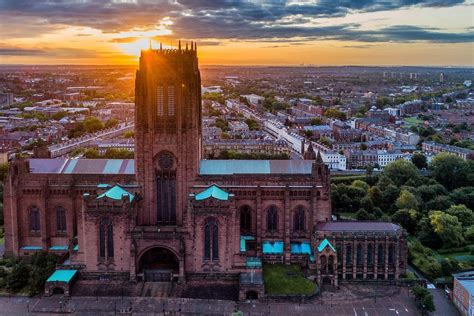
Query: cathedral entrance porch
159, 264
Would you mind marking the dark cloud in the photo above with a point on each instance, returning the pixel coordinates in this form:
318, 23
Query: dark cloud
271, 20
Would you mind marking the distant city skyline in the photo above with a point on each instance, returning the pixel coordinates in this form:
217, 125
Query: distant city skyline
292, 32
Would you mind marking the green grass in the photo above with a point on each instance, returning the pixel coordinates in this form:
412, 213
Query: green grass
286, 280
413, 121
348, 215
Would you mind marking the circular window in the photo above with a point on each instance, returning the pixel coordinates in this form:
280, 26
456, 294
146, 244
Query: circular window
165, 161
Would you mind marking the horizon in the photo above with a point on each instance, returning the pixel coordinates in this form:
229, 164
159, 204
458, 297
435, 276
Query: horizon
430, 33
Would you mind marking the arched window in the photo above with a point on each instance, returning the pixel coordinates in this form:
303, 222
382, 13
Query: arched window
348, 255
106, 239
298, 219
60, 219
391, 253
331, 264
359, 254
380, 255
34, 219
272, 218
370, 255
245, 219
211, 240
324, 264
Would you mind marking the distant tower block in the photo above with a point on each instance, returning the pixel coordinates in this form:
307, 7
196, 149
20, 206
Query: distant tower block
385, 74
441, 77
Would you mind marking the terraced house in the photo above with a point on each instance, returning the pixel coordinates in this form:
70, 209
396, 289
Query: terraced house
169, 215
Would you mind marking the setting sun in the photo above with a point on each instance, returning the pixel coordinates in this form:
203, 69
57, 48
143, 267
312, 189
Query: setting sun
134, 48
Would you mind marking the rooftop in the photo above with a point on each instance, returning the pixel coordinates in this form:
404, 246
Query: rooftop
62, 276
358, 226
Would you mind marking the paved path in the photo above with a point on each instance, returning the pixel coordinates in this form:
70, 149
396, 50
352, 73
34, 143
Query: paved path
56, 305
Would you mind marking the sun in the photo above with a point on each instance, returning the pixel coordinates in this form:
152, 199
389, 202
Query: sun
134, 48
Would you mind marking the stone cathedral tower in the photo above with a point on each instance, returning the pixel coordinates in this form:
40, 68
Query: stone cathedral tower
167, 132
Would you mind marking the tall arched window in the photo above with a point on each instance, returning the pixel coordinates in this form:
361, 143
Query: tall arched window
298, 219
272, 219
106, 239
380, 255
34, 220
391, 253
348, 255
60, 219
211, 240
245, 219
359, 254
331, 264
370, 255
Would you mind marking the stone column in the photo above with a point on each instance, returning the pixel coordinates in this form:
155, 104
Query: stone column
44, 221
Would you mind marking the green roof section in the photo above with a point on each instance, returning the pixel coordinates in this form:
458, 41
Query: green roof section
213, 191
62, 276
253, 262
325, 243
116, 193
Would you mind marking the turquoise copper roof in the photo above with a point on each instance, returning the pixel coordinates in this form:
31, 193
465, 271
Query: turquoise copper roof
253, 262
301, 248
212, 191
62, 276
31, 248
59, 248
228, 167
116, 193
272, 247
243, 246
324, 244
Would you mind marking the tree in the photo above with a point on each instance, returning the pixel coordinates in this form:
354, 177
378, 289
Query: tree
93, 124
448, 228
375, 195
463, 196
426, 234
406, 218
91, 153
441, 202
469, 234
449, 170
335, 113
400, 171
111, 123
463, 214
361, 185
419, 160
407, 201
366, 203
43, 265
316, 121
427, 303
363, 215
18, 277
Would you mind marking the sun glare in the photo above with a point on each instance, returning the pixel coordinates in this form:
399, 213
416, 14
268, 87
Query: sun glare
134, 48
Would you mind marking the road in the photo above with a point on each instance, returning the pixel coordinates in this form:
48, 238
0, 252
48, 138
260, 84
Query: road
443, 305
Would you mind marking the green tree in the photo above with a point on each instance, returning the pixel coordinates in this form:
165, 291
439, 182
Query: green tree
419, 160
427, 303
463, 196
111, 123
406, 218
426, 235
43, 265
361, 185
463, 214
91, 153
441, 202
363, 215
316, 121
335, 113
93, 124
400, 171
469, 234
3, 171
407, 201
449, 170
448, 228
18, 277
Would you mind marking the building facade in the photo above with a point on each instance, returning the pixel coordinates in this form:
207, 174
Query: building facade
170, 215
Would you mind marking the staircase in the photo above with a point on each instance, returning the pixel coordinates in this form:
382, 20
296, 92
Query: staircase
156, 289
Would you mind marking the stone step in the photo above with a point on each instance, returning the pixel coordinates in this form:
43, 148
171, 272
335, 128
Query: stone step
156, 289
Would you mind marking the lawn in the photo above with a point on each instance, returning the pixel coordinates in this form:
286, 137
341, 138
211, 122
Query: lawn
413, 120
286, 280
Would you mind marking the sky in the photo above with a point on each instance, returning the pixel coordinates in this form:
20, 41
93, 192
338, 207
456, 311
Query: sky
236, 32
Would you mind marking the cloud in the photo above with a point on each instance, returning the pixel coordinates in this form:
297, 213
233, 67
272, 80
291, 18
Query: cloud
266, 20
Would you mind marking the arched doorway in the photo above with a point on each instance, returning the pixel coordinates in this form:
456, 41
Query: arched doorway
251, 295
158, 264
327, 281
58, 291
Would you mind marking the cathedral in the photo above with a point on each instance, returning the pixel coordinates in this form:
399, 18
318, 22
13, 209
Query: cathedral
169, 215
